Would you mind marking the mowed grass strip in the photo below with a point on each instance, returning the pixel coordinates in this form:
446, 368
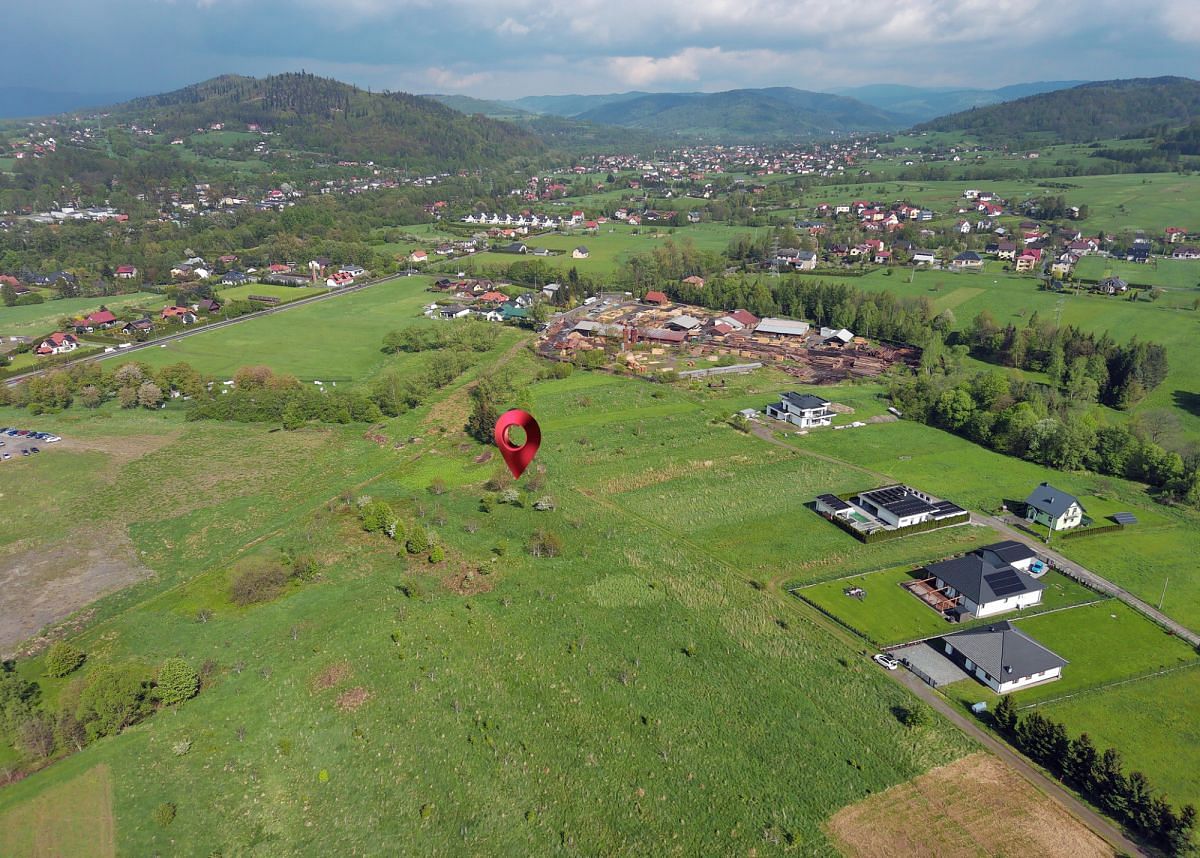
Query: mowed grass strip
974, 806
74, 817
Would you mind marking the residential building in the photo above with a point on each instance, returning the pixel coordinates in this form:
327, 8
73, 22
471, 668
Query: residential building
1003, 657
983, 583
1054, 508
802, 409
58, 343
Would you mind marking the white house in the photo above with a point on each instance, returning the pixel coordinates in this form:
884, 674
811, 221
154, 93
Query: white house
1003, 657
802, 409
903, 506
580, 252
1054, 508
984, 583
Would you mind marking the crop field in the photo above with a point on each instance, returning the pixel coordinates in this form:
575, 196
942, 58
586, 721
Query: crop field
1169, 273
340, 339
891, 615
35, 319
939, 814
1160, 712
41, 828
632, 692
283, 293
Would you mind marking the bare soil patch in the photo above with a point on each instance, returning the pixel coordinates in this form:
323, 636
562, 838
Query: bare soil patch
335, 674
352, 698
975, 806
43, 585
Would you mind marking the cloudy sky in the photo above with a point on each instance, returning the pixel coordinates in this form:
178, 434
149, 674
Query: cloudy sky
511, 48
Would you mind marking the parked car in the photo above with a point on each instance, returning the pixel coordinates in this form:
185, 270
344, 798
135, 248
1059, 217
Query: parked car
25, 452
8, 455
885, 660
35, 449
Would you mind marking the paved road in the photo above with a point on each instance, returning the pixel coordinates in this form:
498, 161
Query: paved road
202, 329
1092, 579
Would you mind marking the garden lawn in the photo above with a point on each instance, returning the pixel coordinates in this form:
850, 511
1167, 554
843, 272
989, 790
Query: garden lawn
37, 319
1170, 273
267, 290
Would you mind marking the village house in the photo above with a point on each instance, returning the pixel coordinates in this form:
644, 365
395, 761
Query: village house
126, 272
987, 581
802, 409
580, 252
137, 326
183, 315
1112, 286
58, 343
968, 259
656, 297
1054, 508
1003, 657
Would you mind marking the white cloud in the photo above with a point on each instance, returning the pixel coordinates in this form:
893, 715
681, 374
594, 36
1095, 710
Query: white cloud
447, 79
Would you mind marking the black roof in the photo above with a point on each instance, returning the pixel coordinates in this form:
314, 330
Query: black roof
945, 509
1009, 551
805, 401
833, 502
1124, 518
1054, 502
1004, 652
900, 501
982, 581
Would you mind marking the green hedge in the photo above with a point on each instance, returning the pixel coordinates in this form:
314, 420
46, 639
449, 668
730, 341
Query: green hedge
884, 535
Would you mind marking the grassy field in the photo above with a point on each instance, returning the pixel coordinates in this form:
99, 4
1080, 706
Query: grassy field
634, 692
1161, 713
40, 828
340, 339
283, 293
1151, 202
1169, 273
891, 615
36, 319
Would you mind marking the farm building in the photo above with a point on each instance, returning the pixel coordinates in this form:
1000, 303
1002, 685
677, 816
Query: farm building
1054, 508
654, 297
982, 583
802, 409
1003, 657
782, 327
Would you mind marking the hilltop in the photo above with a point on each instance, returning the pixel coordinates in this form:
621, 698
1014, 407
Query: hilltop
744, 114
1092, 111
324, 115
921, 104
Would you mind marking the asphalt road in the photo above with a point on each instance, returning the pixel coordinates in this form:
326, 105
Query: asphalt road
202, 329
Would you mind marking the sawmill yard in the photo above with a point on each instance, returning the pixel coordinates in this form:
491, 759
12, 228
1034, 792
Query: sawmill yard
649, 338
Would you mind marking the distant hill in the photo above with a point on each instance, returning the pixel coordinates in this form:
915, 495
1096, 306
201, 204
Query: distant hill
744, 114
484, 107
1092, 111
324, 115
22, 101
920, 104
572, 105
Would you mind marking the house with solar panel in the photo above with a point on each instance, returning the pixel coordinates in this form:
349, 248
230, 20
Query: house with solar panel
895, 507
1003, 657
1054, 508
990, 580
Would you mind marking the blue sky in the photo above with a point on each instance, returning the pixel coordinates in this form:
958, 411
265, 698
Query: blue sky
520, 47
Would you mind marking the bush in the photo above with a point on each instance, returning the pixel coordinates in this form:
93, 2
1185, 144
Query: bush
376, 516
62, 659
177, 681
114, 698
259, 583
164, 814
437, 554
418, 542
545, 543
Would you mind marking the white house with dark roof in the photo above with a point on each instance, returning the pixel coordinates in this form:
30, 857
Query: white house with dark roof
1003, 657
984, 583
1054, 508
802, 409
903, 506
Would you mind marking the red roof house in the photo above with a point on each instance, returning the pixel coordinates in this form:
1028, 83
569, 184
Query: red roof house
655, 297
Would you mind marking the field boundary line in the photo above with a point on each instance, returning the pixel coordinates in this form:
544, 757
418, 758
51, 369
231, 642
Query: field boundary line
1083, 692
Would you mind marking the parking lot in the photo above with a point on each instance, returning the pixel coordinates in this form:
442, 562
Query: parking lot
17, 443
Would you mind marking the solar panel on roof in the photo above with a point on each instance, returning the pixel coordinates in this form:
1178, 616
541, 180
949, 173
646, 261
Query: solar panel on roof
1004, 583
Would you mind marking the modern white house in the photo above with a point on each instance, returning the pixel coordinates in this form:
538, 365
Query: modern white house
904, 506
802, 409
1054, 508
984, 583
1003, 657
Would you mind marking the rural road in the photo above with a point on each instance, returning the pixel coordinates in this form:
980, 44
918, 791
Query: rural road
202, 329
1093, 820
1092, 579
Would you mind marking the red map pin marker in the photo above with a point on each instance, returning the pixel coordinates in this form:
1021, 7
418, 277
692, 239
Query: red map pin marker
518, 458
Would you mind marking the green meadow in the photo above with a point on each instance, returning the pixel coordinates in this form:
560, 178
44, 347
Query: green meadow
285, 294
1168, 273
35, 319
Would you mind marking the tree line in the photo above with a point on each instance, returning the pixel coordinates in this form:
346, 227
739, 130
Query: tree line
1101, 777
